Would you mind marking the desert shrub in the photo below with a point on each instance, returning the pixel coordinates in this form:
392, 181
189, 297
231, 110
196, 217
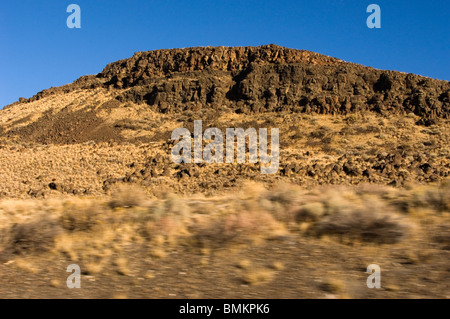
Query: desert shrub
351, 119
35, 236
442, 235
363, 225
172, 206
374, 189
283, 193
82, 217
176, 206
310, 212
235, 227
167, 218
167, 227
435, 197
332, 285
334, 202
252, 191
4, 240
258, 276
368, 129
320, 132
127, 196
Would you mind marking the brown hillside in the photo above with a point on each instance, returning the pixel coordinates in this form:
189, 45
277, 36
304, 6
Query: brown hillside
340, 123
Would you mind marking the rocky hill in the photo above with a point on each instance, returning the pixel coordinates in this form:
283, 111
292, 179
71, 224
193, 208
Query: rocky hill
340, 123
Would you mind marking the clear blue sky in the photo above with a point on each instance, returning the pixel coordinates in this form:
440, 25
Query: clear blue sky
38, 51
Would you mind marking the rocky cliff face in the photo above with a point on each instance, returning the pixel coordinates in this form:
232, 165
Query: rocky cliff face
265, 79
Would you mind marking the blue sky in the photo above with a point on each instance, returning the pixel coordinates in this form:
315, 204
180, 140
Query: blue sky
38, 50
